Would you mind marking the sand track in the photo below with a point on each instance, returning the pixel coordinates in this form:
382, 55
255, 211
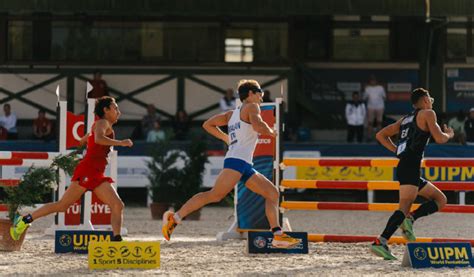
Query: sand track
194, 251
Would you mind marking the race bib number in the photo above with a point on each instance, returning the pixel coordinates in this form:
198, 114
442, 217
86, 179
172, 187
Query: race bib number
401, 148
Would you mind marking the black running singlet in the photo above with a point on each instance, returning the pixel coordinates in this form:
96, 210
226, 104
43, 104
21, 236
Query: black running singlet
411, 139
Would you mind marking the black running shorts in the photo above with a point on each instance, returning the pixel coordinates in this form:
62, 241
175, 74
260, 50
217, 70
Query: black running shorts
409, 172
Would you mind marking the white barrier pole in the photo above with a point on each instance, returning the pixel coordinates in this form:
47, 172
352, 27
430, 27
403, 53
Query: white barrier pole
62, 150
462, 198
114, 167
88, 195
62, 175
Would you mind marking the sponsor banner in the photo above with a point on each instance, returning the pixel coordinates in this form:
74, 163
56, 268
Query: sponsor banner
261, 243
124, 254
345, 173
399, 87
212, 170
349, 86
381, 173
251, 206
78, 241
290, 171
459, 89
266, 144
448, 173
334, 83
100, 213
446, 254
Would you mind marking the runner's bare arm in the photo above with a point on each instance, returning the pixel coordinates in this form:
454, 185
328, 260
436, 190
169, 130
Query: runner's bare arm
384, 136
257, 122
211, 125
100, 137
438, 135
83, 140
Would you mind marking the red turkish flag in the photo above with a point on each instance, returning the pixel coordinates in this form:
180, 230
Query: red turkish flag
74, 130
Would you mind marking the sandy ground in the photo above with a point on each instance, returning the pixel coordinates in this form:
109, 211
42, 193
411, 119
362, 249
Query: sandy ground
195, 251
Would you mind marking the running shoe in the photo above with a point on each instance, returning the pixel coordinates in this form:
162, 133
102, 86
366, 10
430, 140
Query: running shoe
18, 228
407, 229
168, 224
381, 250
284, 241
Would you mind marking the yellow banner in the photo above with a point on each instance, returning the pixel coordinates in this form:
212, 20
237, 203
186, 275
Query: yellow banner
124, 254
449, 173
355, 173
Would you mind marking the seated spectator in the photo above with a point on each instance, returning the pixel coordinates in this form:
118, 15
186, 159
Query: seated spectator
156, 134
8, 121
355, 117
457, 123
267, 96
227, 102
181, 125
469, 127
99, 86
148, 121
42, 126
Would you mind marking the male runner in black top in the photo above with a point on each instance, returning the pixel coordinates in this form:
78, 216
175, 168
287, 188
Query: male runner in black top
414, 131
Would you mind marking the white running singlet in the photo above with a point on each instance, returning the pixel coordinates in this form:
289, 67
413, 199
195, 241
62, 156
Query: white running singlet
243, 138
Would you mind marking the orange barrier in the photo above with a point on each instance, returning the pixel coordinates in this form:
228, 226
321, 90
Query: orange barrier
368, 185
9, 182
393, 240
354, 206
376, 162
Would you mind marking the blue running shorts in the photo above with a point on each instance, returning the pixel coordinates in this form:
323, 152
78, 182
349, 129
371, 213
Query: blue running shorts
240, 166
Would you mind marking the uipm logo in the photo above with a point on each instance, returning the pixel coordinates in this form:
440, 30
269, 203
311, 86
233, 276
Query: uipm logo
454, 254
261, 243
77, 241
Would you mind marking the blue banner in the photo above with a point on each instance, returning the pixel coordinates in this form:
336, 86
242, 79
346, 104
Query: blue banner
261, 243
446, 254
78, 241
459, 89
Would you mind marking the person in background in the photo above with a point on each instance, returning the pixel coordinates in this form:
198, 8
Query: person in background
457, 124
355, 117
227, 102
375, 96
469, 127
181, 125
149, 120
156, 134
99, 86
42, 126
8, 121
267, 97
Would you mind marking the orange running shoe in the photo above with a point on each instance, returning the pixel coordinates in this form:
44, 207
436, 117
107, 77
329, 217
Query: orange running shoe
284, 241
168, 224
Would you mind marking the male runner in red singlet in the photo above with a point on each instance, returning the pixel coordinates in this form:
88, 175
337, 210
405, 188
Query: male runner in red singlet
89, 173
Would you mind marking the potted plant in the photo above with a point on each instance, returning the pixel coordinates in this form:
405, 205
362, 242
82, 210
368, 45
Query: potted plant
33, 186
192, 174
163, 177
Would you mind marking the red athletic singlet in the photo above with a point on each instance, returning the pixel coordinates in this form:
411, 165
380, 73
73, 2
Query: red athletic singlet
90, 170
